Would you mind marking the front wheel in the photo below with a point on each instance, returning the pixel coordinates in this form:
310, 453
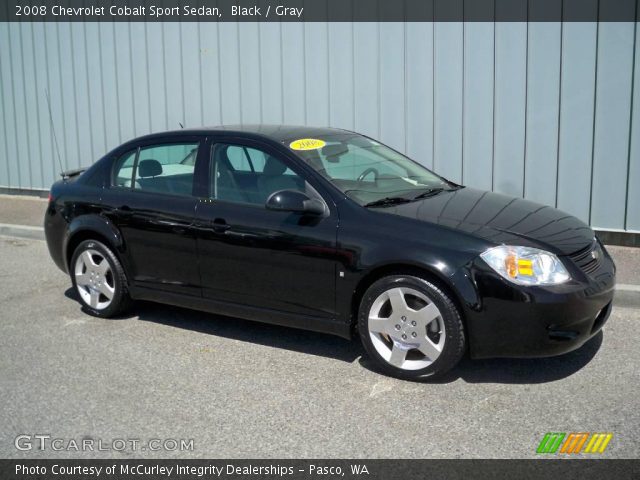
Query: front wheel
410, 327
99, 279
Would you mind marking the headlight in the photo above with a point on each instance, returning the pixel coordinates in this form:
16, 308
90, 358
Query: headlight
526, 266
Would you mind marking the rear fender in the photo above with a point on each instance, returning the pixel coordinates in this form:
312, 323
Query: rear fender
84, 225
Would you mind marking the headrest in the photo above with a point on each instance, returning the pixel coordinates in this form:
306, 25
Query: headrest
273, 167
149, 168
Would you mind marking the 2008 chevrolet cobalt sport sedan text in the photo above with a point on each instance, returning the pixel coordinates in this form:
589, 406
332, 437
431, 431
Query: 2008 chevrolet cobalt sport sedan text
331, 231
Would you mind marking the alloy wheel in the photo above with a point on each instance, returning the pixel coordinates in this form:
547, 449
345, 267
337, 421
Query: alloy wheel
406, 328
94, 279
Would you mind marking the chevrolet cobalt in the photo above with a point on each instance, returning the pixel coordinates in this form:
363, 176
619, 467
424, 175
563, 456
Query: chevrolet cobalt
331, 231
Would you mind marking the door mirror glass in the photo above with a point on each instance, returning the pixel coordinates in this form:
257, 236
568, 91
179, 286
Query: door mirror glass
294, 201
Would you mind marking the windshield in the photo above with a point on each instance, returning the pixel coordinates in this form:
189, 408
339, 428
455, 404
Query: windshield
367, 171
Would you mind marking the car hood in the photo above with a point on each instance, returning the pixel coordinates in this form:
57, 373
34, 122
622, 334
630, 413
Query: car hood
500, 219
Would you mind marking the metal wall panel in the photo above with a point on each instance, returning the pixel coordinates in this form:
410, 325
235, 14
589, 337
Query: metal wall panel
478, 105
543, 93
548, 111
611, 132
577, 96
447, 101
510, 100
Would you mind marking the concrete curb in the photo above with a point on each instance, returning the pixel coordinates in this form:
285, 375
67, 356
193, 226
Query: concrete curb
22, 231
627, 295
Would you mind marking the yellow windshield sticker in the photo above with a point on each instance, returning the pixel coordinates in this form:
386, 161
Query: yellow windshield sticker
307, 144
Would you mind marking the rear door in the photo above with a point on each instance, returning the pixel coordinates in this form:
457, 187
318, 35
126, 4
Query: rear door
153, 206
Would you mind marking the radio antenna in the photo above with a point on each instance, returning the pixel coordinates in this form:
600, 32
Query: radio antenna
181, 126
53, 131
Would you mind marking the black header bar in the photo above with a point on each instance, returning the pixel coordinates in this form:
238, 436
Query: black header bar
319, 10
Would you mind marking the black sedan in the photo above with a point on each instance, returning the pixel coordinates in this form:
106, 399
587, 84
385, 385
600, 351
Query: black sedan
329, 230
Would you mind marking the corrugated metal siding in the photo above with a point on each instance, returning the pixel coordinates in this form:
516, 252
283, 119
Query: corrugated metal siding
548, 111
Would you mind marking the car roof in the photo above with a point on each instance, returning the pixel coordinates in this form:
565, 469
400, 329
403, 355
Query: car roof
278, 133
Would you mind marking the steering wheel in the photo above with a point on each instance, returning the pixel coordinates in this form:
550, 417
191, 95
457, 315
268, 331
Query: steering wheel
369, 170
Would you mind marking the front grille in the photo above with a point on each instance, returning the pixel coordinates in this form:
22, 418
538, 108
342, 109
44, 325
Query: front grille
588, 259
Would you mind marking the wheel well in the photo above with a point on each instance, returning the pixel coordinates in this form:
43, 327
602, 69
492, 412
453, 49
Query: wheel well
412, 270
80, 237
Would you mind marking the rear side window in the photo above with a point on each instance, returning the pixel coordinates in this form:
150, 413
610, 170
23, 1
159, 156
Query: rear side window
123, 174
164, 169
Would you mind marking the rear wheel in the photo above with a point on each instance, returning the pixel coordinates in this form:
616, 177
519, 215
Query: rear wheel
410, 327
99, 279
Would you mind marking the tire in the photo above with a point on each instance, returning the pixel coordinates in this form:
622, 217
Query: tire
422, 337
97, 273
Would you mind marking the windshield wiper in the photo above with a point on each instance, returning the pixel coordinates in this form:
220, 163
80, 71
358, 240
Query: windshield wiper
387, 201
429, 193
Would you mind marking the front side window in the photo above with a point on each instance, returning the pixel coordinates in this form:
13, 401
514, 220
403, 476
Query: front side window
164, 169
249, 175
366, 170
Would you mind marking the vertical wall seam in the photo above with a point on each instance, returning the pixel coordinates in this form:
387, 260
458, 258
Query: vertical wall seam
353, 71
304, 71
219, 74
86, 61
526, 108
146, 61
115, 70
75, 96
48, 82
24, 100
493, 109
281, 76
37, 122
633, 75
433, 86
62, 101
102, 89
436, 163
131, 80
405, 117
201, 89
260, 70
164, 76
559, 102
595, 96
378, 77
4, 122
462, 94
238, 53
182, 70
328, 42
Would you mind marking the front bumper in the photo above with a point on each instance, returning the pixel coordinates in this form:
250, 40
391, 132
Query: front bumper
514, 321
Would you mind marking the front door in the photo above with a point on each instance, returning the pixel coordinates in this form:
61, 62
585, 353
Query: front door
261, 258
153, 205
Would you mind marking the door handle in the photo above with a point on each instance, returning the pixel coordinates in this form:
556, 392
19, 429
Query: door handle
220, 226
124, 210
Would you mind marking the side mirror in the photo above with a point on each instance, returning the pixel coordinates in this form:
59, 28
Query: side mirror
294, 201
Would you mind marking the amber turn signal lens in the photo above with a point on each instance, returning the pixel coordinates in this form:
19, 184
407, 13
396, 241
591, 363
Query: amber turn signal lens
510, 265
